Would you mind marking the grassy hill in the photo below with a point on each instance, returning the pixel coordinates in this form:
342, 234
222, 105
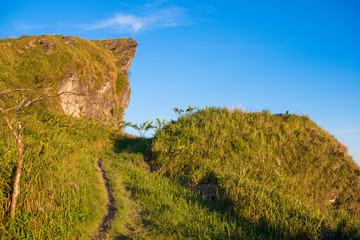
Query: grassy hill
282, 172
213, 174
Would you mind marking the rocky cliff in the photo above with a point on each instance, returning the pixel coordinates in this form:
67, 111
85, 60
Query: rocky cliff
91, 76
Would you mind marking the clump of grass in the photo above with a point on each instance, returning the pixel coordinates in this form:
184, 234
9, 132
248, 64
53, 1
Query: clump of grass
279, 171
121, 82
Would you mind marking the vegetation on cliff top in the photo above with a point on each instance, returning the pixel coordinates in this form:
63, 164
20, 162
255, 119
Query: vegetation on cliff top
31, 61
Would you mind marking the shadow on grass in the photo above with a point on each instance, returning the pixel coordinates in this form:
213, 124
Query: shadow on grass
122, 237
224, 207
132, 144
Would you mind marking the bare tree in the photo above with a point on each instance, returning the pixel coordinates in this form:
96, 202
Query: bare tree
12, 104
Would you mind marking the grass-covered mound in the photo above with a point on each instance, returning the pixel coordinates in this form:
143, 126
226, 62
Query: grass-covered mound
282, 172
61, 193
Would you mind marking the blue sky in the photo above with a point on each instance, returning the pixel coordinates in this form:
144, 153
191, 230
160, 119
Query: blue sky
301, 56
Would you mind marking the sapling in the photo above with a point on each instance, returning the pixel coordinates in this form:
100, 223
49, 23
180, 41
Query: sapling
142, 128
13, 102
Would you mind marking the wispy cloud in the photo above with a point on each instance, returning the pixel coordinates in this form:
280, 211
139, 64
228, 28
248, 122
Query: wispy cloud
28, 27
122, 22
155, 3
152, 19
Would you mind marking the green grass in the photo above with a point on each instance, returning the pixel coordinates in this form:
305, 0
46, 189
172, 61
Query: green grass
61, 194
279, 171
213, 174
152, 206
121, 82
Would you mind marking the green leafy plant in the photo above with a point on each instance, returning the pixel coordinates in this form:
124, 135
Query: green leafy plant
185, 113
141, 128
178, 112
160, 124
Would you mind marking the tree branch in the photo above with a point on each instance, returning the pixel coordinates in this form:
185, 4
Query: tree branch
35, 99
2, 103
59, 94
9, 125
16, 90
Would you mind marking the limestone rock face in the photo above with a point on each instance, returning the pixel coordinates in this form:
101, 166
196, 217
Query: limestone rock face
78, 103
107, 101
124, 51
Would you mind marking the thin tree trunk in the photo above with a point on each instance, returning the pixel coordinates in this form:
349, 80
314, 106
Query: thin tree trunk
16, 188
21, 105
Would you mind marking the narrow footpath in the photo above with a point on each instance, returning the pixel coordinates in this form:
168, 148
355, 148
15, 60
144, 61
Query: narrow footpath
110, 206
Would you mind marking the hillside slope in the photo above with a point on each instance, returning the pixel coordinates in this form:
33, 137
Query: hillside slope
216, 174
281, 171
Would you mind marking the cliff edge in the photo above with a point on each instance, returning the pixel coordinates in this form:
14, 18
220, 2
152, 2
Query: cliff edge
93, 73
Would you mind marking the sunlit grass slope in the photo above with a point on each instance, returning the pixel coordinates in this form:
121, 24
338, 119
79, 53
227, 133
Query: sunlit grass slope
281, 172
215, 174
153, 206
61, 193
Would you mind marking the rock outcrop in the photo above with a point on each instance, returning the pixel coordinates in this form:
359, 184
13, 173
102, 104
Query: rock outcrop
91, 76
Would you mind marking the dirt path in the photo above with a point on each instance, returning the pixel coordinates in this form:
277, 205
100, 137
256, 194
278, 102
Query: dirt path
110, 206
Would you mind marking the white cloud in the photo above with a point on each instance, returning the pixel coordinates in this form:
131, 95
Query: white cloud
158, 18
122, 22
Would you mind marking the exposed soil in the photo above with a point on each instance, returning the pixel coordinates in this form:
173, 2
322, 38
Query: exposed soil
110, 206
